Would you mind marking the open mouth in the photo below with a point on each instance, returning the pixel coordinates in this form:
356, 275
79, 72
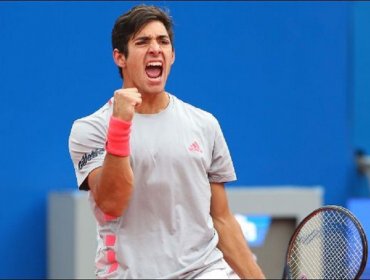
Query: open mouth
154, 69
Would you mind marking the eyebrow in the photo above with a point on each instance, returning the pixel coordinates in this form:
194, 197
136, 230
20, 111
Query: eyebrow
147, 38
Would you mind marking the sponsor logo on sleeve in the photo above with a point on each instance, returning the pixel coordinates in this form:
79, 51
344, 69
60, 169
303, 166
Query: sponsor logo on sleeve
89, 156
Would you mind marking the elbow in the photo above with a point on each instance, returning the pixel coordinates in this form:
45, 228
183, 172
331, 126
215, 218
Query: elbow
111, 209
115, 203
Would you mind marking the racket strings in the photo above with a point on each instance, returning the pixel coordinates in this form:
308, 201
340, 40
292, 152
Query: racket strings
349, 243
327, 247
313, 257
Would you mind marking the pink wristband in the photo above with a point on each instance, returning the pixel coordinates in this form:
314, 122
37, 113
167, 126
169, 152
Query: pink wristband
118, 137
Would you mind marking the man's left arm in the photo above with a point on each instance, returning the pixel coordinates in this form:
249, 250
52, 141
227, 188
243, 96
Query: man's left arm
231, 239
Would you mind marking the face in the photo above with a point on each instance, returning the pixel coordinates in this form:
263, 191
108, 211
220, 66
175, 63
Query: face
149, 60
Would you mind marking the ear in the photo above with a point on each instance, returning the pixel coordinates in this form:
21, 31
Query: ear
173, 57
119, 58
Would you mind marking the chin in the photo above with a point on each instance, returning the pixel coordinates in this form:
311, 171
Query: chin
151, 90
155, 87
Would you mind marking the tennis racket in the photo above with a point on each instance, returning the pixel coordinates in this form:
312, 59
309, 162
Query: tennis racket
329, 243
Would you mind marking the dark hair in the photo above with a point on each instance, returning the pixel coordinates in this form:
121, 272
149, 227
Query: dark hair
128, 24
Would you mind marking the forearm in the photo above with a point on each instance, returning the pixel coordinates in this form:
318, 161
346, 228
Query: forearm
112, 185
235, 249
113, 182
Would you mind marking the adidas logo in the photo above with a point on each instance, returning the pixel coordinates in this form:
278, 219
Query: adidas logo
194, 147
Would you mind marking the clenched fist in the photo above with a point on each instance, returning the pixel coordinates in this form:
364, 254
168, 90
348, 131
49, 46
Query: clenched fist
125, 101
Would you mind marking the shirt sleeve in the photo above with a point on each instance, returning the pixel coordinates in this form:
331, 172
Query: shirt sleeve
87, 146
222, 168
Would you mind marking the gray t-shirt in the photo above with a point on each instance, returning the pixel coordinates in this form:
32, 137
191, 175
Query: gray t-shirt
167, 230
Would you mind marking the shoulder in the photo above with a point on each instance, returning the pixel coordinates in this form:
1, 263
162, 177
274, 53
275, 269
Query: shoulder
95, 123
196, 113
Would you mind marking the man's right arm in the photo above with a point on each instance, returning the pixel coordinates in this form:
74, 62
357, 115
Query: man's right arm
112, 183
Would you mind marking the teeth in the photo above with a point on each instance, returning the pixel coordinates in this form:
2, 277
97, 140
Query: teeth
154, 64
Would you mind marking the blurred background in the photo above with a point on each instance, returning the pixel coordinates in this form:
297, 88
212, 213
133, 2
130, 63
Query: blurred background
288, 81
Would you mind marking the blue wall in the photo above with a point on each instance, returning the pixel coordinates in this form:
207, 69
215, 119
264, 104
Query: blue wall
361, 75
360, 86
275, 74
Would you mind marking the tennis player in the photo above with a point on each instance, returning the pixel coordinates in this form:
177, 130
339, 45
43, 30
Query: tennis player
155, 168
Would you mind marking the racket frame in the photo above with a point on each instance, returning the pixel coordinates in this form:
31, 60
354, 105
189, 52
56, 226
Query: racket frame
286, 273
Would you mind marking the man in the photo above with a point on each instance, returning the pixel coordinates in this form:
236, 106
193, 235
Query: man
156, 167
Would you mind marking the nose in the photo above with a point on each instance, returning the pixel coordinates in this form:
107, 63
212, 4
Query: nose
155, 48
